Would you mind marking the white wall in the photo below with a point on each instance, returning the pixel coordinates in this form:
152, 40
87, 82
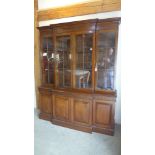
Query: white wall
44, 4
118, 81
93, 16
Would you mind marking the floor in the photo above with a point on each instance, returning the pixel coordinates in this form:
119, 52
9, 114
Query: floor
50, 139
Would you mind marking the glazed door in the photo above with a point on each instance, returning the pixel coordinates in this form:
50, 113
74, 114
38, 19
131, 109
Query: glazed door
82, 69
47, 51
63, 61
105, 60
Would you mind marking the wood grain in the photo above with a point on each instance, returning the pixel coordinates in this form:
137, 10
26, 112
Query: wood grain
103, 112
80, 9
46, 103
36, 53
61, 106
81, 111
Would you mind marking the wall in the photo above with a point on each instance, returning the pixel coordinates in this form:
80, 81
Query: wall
44, 4
118, 80
92, 16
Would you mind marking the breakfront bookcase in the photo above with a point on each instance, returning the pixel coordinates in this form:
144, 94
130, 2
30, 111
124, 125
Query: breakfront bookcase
78, 64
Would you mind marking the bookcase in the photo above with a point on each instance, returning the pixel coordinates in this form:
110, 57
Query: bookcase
78, 67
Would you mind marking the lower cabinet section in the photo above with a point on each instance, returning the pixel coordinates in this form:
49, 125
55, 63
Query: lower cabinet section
61, 107
45, 99
88, 113
81, 112
103, 116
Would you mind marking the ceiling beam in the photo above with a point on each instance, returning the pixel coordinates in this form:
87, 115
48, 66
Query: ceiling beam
86, 8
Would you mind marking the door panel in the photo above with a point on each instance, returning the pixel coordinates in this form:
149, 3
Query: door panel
102, 114
61, 107
82, 112
46, 103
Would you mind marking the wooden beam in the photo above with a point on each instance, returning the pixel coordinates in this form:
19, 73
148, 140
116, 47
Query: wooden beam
80, 9
36, 53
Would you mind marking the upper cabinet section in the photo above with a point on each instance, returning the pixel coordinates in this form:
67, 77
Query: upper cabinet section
83, 60
105, 60
75, 27
80, 55
74, 52
63, 61
47, 50
106, 47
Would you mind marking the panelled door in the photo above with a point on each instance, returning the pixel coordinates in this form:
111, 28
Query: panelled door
103, 114
81, 111
61, 107
45, 102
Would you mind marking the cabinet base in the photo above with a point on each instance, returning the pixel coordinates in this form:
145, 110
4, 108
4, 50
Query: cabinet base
71, 126
103, 131
45, 116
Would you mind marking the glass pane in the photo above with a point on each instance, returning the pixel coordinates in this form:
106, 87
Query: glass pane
105, 60
83, 70
63, 57
48, 64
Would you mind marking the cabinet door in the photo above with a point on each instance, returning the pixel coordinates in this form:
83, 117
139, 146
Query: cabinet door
47, 64
83, 61
105, 60
103, 115
45, 103
63, 61
61, 106
81, 111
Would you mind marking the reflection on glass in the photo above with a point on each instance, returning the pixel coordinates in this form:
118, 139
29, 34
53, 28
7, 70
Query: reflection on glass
83, 71
63, 61
105, 60
48, 65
